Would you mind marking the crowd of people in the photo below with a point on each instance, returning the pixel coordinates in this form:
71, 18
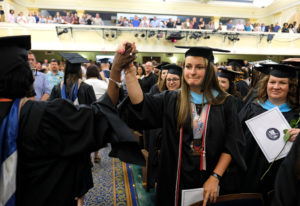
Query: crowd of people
187, 23
193, 114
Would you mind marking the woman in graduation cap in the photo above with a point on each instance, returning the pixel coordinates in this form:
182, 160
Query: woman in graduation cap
201, 130
226, 80
278, 89
171, 82
41, 143
158, 87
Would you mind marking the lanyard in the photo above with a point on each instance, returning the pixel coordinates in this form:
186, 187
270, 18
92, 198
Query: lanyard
202, 120
5, 100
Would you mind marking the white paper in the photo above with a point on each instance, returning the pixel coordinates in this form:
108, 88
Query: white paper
191, 196
267, 129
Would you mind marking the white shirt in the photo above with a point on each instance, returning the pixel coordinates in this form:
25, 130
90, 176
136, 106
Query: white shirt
98, 85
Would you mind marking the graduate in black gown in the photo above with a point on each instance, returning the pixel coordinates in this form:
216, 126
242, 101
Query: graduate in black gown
172, 82
278, 89
287, 183
41, 142
190, 159
78, 92
157, 88
226, 80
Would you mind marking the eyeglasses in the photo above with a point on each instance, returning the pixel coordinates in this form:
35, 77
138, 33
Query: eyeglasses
173, 80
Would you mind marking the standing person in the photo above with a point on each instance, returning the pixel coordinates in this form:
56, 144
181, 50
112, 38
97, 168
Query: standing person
184, 165
226, 80
39, 159
140, 72
98, 21
54, 75
158, 87
11, 16
278, 89
150, 79
41, 85
104, 68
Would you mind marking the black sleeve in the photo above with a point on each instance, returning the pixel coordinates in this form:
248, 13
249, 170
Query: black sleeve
145, 115
234, 141
55, 93
90, 95
67, 130
287, 183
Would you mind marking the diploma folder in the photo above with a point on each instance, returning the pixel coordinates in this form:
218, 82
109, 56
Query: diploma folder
267, 129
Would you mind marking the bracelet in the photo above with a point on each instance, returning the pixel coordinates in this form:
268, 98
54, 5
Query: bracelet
128, 71
119, 84
216, 175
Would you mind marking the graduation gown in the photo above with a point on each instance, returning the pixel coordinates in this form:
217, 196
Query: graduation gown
154, 89
147, 82
238, 102
242, 87
86, 95
224, 135
52, 138
287, 183
256, 162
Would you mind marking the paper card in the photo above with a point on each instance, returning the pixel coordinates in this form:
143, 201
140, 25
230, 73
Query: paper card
192, 196
267, 129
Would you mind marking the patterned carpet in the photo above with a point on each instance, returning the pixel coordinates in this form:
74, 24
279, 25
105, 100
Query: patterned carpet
113, 183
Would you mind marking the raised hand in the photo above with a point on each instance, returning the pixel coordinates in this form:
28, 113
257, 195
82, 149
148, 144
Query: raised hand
126, 54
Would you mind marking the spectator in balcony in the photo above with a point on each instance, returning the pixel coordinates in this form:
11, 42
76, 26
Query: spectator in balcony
136, 21
21, 19
285, 28
125, 22
75, 19
57, 18
144, 23
195, 24
229, 25
170, 23
31, 19
120, 21
220, 27
68, 18
11, 16
201, 23
291, 28
248, 26
271, 28
240, 26
178, 23
36, 16
155, 23
298, 29
54, 76
43, 20
257, 28
83, 19
98, 21
263, 27
186, 24
276, 27
211, 25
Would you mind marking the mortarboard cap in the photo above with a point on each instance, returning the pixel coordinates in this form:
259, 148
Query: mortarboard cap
74, 58
162, 65
205, 52
292, 61
264, 70
173, 69
235, 62
229, 74
281, 70
13, 52
104, 60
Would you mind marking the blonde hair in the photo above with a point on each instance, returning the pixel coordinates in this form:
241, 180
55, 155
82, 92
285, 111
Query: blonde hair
183, 100
262, 94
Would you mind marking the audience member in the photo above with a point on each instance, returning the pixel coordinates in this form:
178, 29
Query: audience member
136, 21
98, 20
54, 75
229, 25
11, 16
144, 23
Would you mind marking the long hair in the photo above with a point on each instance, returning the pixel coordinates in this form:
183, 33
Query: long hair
183, 100
17, 83
72, 78
262, 94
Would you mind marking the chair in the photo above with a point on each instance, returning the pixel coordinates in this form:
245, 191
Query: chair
241, 199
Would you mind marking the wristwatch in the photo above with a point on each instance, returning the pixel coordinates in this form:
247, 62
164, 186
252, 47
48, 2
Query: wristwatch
216, 175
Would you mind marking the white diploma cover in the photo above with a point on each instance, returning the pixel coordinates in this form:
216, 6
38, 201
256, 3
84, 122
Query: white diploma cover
267, 129
192, 196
